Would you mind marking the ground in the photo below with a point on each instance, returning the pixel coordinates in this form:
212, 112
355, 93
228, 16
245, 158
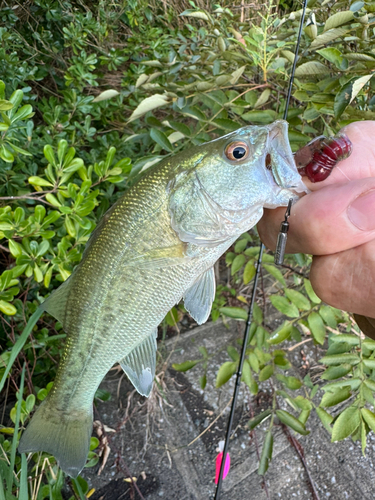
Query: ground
157, 448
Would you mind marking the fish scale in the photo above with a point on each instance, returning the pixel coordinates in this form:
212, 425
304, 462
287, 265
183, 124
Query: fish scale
155, 246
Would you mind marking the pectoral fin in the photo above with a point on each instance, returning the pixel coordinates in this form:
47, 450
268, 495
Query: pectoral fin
139, 365
199, 297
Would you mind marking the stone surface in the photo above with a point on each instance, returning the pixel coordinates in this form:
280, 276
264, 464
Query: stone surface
157, 446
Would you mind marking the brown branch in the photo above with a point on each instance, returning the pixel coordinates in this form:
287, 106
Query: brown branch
299, 449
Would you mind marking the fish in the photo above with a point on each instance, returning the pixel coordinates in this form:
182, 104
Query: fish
155, 246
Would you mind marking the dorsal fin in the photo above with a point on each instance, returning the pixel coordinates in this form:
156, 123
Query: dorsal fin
55, 305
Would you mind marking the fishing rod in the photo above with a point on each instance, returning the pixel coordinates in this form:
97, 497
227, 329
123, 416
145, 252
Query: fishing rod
279, 256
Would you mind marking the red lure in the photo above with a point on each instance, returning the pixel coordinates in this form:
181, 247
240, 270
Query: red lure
317, 159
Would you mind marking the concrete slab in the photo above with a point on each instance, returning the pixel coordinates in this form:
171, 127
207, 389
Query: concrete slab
160, 444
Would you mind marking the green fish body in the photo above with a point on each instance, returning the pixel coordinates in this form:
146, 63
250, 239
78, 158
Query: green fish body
155, 246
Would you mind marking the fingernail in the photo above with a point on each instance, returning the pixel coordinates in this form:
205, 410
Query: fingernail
361, 212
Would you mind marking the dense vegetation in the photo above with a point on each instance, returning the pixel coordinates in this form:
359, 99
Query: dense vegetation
91, 93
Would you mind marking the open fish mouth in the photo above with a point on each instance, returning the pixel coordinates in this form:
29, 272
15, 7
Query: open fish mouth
279, 160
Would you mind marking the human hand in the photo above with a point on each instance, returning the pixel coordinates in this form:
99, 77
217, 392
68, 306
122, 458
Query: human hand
336, 223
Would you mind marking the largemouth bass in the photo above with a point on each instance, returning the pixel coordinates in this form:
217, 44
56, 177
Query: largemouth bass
155, 246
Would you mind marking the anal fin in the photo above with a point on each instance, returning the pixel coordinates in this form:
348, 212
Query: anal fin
199, 297
139, 364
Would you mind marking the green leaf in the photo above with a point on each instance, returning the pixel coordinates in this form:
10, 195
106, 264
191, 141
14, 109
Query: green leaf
249, 271
233, 353
23, 113
275, 272
302, 403
311, 68
350, 339
292, 383
30, 402
73, 166
369, 363
266, 373
6, 155
342, 99
107, 94
328, 316
198, 13
262, 117
334, 372
334, 398
49, 154
327, 37
7, 308
358, 84
16, 98
284, 306
39, 181
259, 418
266, 453
356, 6
353, 383
185, 366
369, 418
5, 105
240, 245
292, 422
225, 372
236, 75
298, 299
338, 19
338, 359
262, 99
51, 198
281, 333
248, 378
346, 423
203, 381
237, 263
369, 344
334, 56
257, 314
295, 334
317, 327
310, 292
48, 277
18, 149
15, 248
234, 312
254, 363
161, 139
325, 418
226, 124
149, 104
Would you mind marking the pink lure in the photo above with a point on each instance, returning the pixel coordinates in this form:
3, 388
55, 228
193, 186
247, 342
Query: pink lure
219, 459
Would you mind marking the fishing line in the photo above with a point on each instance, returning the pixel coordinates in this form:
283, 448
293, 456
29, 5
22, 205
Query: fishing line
256, 277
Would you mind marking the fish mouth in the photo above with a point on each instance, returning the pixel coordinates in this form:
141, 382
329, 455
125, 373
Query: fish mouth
279, 160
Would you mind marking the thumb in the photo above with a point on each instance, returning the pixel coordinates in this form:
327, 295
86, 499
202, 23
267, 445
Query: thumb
330, 220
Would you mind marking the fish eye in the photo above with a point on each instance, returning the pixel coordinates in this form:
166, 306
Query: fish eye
236, 151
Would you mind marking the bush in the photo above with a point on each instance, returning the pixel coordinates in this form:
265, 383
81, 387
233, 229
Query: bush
87, 87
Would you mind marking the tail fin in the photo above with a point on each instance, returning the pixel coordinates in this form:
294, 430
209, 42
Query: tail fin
66, 435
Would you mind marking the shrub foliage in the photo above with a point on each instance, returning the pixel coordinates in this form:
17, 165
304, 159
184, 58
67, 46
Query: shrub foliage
90, 95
